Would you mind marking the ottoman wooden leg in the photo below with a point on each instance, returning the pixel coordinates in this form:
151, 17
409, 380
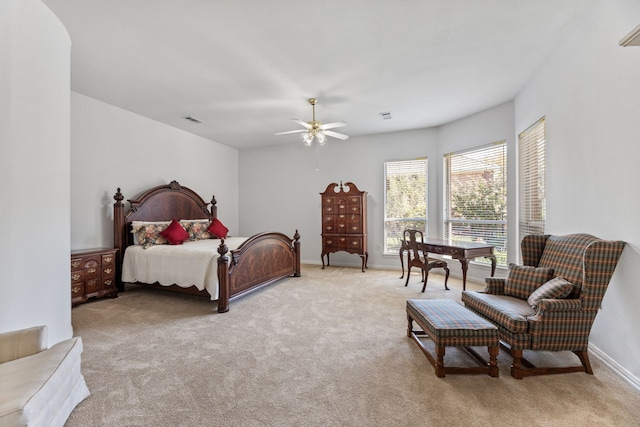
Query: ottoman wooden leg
439, 365
493, 360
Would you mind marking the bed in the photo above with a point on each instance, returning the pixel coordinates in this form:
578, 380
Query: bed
232, 267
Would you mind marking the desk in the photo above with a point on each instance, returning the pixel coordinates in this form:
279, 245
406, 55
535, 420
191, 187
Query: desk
462, 251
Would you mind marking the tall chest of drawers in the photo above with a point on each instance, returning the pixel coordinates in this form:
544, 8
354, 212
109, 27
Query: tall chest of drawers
93, 274
344, 221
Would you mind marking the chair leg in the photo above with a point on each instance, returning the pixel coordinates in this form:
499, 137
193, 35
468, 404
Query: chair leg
408, 275
426, 276
446, 277
583, 355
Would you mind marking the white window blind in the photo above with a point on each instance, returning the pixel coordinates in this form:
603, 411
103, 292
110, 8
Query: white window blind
475, 199
405, 200
531, 172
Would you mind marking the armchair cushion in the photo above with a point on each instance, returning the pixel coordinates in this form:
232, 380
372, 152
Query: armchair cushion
508, 312
523, 280
558, 287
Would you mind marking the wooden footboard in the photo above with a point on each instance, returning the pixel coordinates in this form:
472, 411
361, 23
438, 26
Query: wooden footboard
258, 262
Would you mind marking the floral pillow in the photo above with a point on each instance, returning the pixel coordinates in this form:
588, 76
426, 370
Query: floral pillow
147, 234
196, 228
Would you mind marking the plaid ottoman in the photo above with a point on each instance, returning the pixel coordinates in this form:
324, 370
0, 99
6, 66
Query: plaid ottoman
450, 324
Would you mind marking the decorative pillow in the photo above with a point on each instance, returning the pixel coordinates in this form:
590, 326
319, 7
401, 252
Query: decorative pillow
137, 225
175, 233
218, 230
558, 287
523, 280
147, 234
197, 228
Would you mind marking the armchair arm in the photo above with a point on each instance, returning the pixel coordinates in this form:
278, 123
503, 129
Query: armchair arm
23, 342
559, 305
495, 286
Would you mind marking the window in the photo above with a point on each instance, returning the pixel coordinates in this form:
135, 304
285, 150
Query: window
531, 188
405, 200
475, 197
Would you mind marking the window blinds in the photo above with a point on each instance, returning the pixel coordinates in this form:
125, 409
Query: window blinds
405, 200
531, 174
475, 199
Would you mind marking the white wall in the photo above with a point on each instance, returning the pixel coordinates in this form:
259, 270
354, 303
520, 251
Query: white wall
112, 147
34, 169
589, 92
280, 187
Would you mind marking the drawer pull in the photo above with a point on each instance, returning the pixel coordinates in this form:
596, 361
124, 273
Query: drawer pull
355, 228
108, 270
341, 225
75, 264
75, 289
91, 270
108, 282
329, 209
75, 276
108, 259
341, 206
329, 228
329, 242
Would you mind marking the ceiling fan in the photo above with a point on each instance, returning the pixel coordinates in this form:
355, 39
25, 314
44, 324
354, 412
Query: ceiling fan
315, 129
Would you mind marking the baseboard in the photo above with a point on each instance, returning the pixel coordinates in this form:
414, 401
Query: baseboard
615, 366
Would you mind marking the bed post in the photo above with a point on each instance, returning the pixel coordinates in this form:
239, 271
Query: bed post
223, 278
118, 243
214, 208
296, 248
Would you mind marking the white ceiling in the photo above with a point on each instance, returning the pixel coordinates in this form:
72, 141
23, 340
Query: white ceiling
246, 67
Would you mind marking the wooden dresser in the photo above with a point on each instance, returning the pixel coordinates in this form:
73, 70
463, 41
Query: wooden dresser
344, 221
93, 274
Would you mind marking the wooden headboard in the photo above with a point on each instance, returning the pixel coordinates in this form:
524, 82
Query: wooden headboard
161, 203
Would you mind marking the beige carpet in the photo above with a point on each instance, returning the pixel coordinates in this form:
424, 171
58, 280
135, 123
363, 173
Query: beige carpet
327, 349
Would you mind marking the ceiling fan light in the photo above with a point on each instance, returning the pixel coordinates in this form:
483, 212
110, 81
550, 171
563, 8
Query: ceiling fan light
306, 138
321, 137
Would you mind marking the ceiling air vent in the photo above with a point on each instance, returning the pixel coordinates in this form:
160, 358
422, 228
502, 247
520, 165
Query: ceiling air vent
192, 119
386, 115
631, 39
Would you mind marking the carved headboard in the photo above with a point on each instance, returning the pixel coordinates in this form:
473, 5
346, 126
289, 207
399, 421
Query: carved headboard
161, 203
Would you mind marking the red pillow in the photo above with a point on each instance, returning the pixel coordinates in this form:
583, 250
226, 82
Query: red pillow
218, 229
175, 233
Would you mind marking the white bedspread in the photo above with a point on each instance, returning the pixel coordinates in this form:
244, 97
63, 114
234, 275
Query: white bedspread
189, 264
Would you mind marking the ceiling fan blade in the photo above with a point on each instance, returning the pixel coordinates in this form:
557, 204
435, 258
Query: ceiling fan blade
336, 135
332, 125
291, 131
305, 124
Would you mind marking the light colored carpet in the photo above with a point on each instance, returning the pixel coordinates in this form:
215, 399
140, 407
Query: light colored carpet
326, 349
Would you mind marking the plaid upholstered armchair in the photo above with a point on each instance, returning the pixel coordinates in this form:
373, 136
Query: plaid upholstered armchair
551, 302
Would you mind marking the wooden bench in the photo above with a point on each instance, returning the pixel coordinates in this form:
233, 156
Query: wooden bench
450, 324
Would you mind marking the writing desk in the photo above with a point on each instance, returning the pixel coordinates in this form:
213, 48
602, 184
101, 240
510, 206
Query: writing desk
462, 251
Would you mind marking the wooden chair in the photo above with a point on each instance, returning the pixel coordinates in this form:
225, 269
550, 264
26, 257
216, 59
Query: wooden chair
413, 241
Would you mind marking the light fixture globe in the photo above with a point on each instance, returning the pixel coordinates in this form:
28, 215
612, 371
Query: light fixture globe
307, 138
